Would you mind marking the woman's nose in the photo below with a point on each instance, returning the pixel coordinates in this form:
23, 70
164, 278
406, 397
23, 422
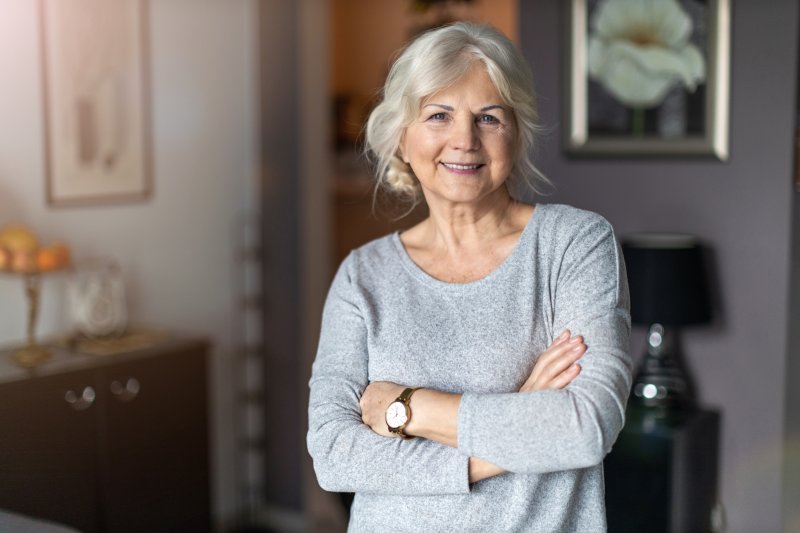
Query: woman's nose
465, 134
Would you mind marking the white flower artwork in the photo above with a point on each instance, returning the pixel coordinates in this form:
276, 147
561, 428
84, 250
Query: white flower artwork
648, 78
640, 49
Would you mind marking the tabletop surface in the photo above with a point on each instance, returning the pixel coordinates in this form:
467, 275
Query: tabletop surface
67, 359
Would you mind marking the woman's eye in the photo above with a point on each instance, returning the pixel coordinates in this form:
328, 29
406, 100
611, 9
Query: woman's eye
488, 119
438, 116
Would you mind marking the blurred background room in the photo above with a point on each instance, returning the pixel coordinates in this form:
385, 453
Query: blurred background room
179, 180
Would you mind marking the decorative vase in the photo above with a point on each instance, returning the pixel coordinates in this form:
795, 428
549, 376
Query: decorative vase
97, 298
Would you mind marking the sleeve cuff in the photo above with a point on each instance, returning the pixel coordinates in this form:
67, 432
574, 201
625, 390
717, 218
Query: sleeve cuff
464, 423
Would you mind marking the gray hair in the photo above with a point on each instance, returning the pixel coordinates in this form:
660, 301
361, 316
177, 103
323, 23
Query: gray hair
432, 62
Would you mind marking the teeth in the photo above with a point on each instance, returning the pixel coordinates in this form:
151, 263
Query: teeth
456, 166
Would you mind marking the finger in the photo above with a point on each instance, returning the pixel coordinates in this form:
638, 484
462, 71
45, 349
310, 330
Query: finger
558, 381
565, 360
559, 349
561, 338
566, 377
560, 362
554, 353
576, 339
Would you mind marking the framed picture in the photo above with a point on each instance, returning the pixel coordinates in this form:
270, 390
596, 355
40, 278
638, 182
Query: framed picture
649, 77
96, 101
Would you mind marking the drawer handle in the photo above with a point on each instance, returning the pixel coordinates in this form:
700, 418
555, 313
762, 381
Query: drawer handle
82, 402
127, 392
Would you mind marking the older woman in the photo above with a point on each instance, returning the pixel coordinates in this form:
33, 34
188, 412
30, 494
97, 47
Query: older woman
447, 392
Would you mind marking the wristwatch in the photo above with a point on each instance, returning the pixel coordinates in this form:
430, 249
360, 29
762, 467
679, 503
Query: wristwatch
398, 414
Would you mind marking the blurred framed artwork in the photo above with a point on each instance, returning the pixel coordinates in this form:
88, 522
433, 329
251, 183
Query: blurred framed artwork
647, 77
96, 101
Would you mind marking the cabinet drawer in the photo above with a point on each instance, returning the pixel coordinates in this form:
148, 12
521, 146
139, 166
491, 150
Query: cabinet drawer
48, 448
157, 452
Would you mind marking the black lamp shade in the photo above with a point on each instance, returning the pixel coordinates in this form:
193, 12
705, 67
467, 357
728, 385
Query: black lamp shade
667, 279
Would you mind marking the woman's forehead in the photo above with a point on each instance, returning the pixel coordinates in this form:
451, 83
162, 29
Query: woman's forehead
475, 87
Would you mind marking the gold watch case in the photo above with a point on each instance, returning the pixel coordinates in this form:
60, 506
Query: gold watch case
398, 414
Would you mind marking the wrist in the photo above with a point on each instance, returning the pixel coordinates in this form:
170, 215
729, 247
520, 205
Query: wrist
480, 469
435, 416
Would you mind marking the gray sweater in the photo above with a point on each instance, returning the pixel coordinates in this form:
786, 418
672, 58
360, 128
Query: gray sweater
385, 319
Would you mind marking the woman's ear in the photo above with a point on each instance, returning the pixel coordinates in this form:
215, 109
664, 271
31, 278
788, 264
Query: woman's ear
400, 152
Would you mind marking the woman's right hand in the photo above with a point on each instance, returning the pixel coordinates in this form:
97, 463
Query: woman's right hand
557, 366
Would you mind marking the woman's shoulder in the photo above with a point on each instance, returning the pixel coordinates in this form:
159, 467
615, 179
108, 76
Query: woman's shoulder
565, 229
569, 215
374, 255
375, 249
567, 222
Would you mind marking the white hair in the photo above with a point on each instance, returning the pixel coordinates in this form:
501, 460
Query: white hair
434, 61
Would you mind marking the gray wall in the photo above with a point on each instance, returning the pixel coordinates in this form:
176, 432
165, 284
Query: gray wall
791, 469
742, 208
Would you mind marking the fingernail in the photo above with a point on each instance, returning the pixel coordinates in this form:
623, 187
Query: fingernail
563, 335
577, 349
575, 339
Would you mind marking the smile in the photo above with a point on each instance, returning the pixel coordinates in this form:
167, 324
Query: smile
457, 166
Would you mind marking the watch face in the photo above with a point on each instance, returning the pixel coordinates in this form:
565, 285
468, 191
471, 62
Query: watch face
396, 415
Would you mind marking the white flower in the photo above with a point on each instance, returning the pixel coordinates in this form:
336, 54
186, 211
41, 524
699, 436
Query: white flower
640, 49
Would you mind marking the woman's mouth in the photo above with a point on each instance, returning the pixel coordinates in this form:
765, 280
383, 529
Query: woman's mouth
462, 168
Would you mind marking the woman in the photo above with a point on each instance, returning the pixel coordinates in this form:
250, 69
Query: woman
428, 399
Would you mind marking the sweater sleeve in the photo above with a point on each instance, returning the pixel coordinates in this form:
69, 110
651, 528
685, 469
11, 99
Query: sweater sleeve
348, 456
574, 427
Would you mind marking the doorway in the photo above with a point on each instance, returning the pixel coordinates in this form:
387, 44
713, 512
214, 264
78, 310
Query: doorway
365, 35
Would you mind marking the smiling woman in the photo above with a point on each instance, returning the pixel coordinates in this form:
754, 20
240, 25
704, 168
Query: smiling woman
460, 147
444, 67
491, 337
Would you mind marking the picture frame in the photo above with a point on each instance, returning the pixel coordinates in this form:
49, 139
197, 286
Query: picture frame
95, 76
633, 94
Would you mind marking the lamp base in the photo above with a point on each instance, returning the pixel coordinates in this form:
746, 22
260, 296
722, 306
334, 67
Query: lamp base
32, 355
661, 381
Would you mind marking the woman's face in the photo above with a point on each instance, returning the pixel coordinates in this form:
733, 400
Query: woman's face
460, 146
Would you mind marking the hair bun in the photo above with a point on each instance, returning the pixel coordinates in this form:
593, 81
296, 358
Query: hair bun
401, 179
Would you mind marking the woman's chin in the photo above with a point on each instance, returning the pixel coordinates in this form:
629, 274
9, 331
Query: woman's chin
464, 193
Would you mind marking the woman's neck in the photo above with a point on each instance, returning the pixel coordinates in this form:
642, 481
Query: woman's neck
464, 245
461, 228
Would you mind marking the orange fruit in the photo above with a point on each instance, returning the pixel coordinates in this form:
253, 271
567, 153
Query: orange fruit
53, 257
46, 260
62, 254
23, 261
5, 259
18, 237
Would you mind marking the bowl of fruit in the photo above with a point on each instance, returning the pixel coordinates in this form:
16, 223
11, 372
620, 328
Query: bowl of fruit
22, 252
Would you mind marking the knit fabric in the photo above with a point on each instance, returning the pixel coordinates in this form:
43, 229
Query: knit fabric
385, 319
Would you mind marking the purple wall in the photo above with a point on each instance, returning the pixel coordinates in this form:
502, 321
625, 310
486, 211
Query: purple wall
741, 208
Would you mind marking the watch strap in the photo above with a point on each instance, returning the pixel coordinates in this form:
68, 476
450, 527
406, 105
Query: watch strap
405, 399
405, 396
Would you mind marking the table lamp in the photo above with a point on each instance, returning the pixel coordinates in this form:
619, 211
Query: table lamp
668, 289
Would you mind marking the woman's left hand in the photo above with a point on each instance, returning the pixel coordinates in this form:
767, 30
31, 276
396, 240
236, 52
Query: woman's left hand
376, 398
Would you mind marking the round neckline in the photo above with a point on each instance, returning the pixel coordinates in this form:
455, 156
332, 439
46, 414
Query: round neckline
416, 271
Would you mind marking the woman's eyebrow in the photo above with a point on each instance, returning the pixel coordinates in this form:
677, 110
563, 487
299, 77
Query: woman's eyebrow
443, 106
482, 110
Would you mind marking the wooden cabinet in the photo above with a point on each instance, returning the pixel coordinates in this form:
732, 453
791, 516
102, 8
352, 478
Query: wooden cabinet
49, 450
661, 476
109, 443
